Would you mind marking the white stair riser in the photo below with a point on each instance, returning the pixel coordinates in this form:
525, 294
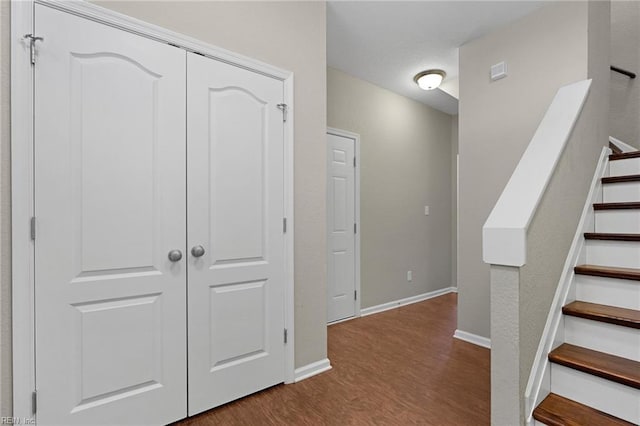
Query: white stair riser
630, 166
618, 221
621, 192
624, 254
602, 337
604, 395
608, 291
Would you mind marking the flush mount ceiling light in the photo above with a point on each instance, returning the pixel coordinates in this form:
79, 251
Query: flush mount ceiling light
430, 79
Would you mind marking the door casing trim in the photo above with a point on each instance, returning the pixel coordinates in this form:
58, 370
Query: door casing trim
22, 172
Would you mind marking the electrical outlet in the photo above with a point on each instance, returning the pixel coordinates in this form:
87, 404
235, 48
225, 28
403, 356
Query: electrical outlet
426, 210
409, 275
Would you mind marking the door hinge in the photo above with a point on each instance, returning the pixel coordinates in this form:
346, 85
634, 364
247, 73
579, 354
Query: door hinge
34, 401
355, 294
284, 108
286, 335
32, 228
354, 161
32, 46
355, 228
284, 224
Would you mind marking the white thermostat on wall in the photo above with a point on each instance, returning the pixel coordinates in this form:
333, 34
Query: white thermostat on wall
498, 71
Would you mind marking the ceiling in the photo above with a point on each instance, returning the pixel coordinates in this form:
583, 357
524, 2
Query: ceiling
388, 42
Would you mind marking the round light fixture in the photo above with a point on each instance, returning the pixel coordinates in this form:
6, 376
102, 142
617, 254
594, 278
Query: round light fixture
430, 79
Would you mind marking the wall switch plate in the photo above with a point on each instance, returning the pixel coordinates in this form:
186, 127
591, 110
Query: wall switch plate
426, 210
498, 71
409, 275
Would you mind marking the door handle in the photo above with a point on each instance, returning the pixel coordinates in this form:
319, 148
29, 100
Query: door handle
175, 255
197, 251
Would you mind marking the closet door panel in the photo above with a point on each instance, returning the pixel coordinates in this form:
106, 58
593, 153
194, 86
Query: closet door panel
110, 196
235, 211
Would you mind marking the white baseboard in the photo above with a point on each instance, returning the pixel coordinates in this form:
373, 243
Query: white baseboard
341, 320
473, 338
407, 301
311, 370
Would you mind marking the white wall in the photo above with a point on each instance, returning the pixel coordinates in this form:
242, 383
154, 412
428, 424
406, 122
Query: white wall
405, 165
290, 35
625, 53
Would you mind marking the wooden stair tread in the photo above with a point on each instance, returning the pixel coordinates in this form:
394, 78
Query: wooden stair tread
608, 272
604, 313
621, 370
617, 206
556, 410
619, 179
611, 236
624, 155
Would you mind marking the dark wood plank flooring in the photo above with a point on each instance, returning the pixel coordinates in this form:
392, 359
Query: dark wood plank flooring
400, 367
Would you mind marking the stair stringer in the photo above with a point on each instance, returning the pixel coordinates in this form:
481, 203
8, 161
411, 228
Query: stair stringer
539, 383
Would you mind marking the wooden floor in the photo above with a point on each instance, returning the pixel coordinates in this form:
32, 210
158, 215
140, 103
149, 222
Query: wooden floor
400, 367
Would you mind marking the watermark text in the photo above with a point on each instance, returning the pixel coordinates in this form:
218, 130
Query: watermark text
17, 420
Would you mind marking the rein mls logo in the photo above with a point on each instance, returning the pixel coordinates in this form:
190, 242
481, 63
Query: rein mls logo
17, 421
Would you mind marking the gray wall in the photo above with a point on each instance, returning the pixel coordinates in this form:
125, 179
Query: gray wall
521, 297
554, 225
291, 35
405, 165
543, 51
625, 53
454, 201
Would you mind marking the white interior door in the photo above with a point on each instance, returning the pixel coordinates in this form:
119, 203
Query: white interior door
341, 280
235, 236
110, 205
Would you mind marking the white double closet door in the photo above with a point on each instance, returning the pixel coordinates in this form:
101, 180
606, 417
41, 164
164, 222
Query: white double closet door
142, 150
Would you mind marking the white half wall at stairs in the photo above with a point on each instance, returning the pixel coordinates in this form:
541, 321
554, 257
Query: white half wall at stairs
504, 235
539, 384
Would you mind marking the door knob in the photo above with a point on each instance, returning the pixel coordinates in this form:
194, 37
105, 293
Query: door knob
175, 255
197, 251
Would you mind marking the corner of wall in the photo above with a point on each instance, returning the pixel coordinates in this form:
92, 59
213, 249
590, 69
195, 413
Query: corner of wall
510, 301
624, 92
506, 405
553, 227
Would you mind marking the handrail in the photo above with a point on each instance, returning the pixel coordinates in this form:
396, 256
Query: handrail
504, 235
623, 71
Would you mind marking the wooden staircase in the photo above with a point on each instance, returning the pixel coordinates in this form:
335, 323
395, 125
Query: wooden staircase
595, 373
